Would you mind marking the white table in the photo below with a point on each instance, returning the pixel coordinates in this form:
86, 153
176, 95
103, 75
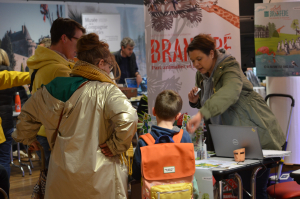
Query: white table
225, 173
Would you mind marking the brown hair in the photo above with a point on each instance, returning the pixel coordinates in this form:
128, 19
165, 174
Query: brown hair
4, 58
64, 26
204, 43
168, 104
90, 49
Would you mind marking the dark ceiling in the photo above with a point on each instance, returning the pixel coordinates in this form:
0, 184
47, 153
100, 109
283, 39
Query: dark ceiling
137, 2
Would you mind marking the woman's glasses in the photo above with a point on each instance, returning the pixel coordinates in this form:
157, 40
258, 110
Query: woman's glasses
111, 66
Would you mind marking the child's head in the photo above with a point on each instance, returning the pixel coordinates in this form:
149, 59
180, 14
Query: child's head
168, 105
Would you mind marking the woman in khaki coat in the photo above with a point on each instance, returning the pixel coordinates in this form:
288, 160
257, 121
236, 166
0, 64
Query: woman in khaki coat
227, 98
96, 128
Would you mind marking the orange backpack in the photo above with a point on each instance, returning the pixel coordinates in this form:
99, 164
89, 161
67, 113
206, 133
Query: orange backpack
167, 168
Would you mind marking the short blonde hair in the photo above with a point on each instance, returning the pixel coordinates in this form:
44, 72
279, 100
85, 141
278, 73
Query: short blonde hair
4, 58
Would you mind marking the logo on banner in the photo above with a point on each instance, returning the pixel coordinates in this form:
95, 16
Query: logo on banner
276, 11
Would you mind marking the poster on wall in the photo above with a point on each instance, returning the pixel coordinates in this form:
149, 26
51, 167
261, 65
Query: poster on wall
277, 39
170, 26
131, 24
106, 26
28, 24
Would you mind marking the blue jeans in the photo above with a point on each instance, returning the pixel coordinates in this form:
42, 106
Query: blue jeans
44, 142
5, 149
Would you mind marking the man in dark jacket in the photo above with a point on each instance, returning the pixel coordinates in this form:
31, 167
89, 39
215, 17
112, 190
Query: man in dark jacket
126, 60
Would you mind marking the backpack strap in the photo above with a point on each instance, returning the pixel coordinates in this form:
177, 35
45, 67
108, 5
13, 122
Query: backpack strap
178, 136
32, 79
148, 138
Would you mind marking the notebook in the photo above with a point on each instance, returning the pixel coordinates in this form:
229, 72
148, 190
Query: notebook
226, 139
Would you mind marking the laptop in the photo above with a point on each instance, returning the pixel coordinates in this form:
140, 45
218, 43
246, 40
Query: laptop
131, 83
226, 139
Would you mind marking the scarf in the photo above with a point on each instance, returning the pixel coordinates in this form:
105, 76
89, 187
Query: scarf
91, 72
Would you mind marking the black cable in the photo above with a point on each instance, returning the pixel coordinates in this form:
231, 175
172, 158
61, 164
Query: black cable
264, 171
275, 180
275, 175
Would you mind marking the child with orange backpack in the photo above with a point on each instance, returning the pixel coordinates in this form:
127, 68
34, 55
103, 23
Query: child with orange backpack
164, 158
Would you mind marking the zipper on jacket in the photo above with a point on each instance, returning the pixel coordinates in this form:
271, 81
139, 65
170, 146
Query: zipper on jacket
168, 192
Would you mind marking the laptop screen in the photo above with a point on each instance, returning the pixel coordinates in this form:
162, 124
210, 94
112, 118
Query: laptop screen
131, 83
227, 138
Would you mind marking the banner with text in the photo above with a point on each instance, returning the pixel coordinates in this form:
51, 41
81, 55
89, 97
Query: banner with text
106, 26
170, 26
277, 39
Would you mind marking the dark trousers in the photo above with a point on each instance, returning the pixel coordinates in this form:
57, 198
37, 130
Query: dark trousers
261, 183
4, 181
5, 149
44, 142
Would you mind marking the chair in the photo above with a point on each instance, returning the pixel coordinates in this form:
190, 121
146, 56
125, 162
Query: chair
277, 177
284, 190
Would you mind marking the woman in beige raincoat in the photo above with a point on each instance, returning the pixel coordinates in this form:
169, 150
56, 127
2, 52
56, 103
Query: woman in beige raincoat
97, 125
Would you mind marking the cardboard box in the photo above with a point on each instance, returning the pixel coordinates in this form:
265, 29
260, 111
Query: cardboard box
129, 92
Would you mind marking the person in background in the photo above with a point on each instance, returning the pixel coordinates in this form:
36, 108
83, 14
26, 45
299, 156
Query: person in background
95, 121
49, 63
4, 182
9, 79
46, 42
167, 109
6, 115
126, 60
227, 98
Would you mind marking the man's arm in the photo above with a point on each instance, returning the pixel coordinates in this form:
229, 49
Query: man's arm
137, 74
10, 79
138, 78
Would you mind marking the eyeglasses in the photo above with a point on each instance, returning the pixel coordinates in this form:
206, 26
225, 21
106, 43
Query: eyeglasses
111, 67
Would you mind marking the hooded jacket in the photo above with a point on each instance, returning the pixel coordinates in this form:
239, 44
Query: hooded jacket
93, 114
49, 65
10, 79
237, 104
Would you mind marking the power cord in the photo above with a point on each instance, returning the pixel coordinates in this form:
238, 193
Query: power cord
276, 180
264, 170
276, 172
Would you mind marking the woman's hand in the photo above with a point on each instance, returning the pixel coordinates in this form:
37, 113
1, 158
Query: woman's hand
194, 123
105, 150
192, 97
